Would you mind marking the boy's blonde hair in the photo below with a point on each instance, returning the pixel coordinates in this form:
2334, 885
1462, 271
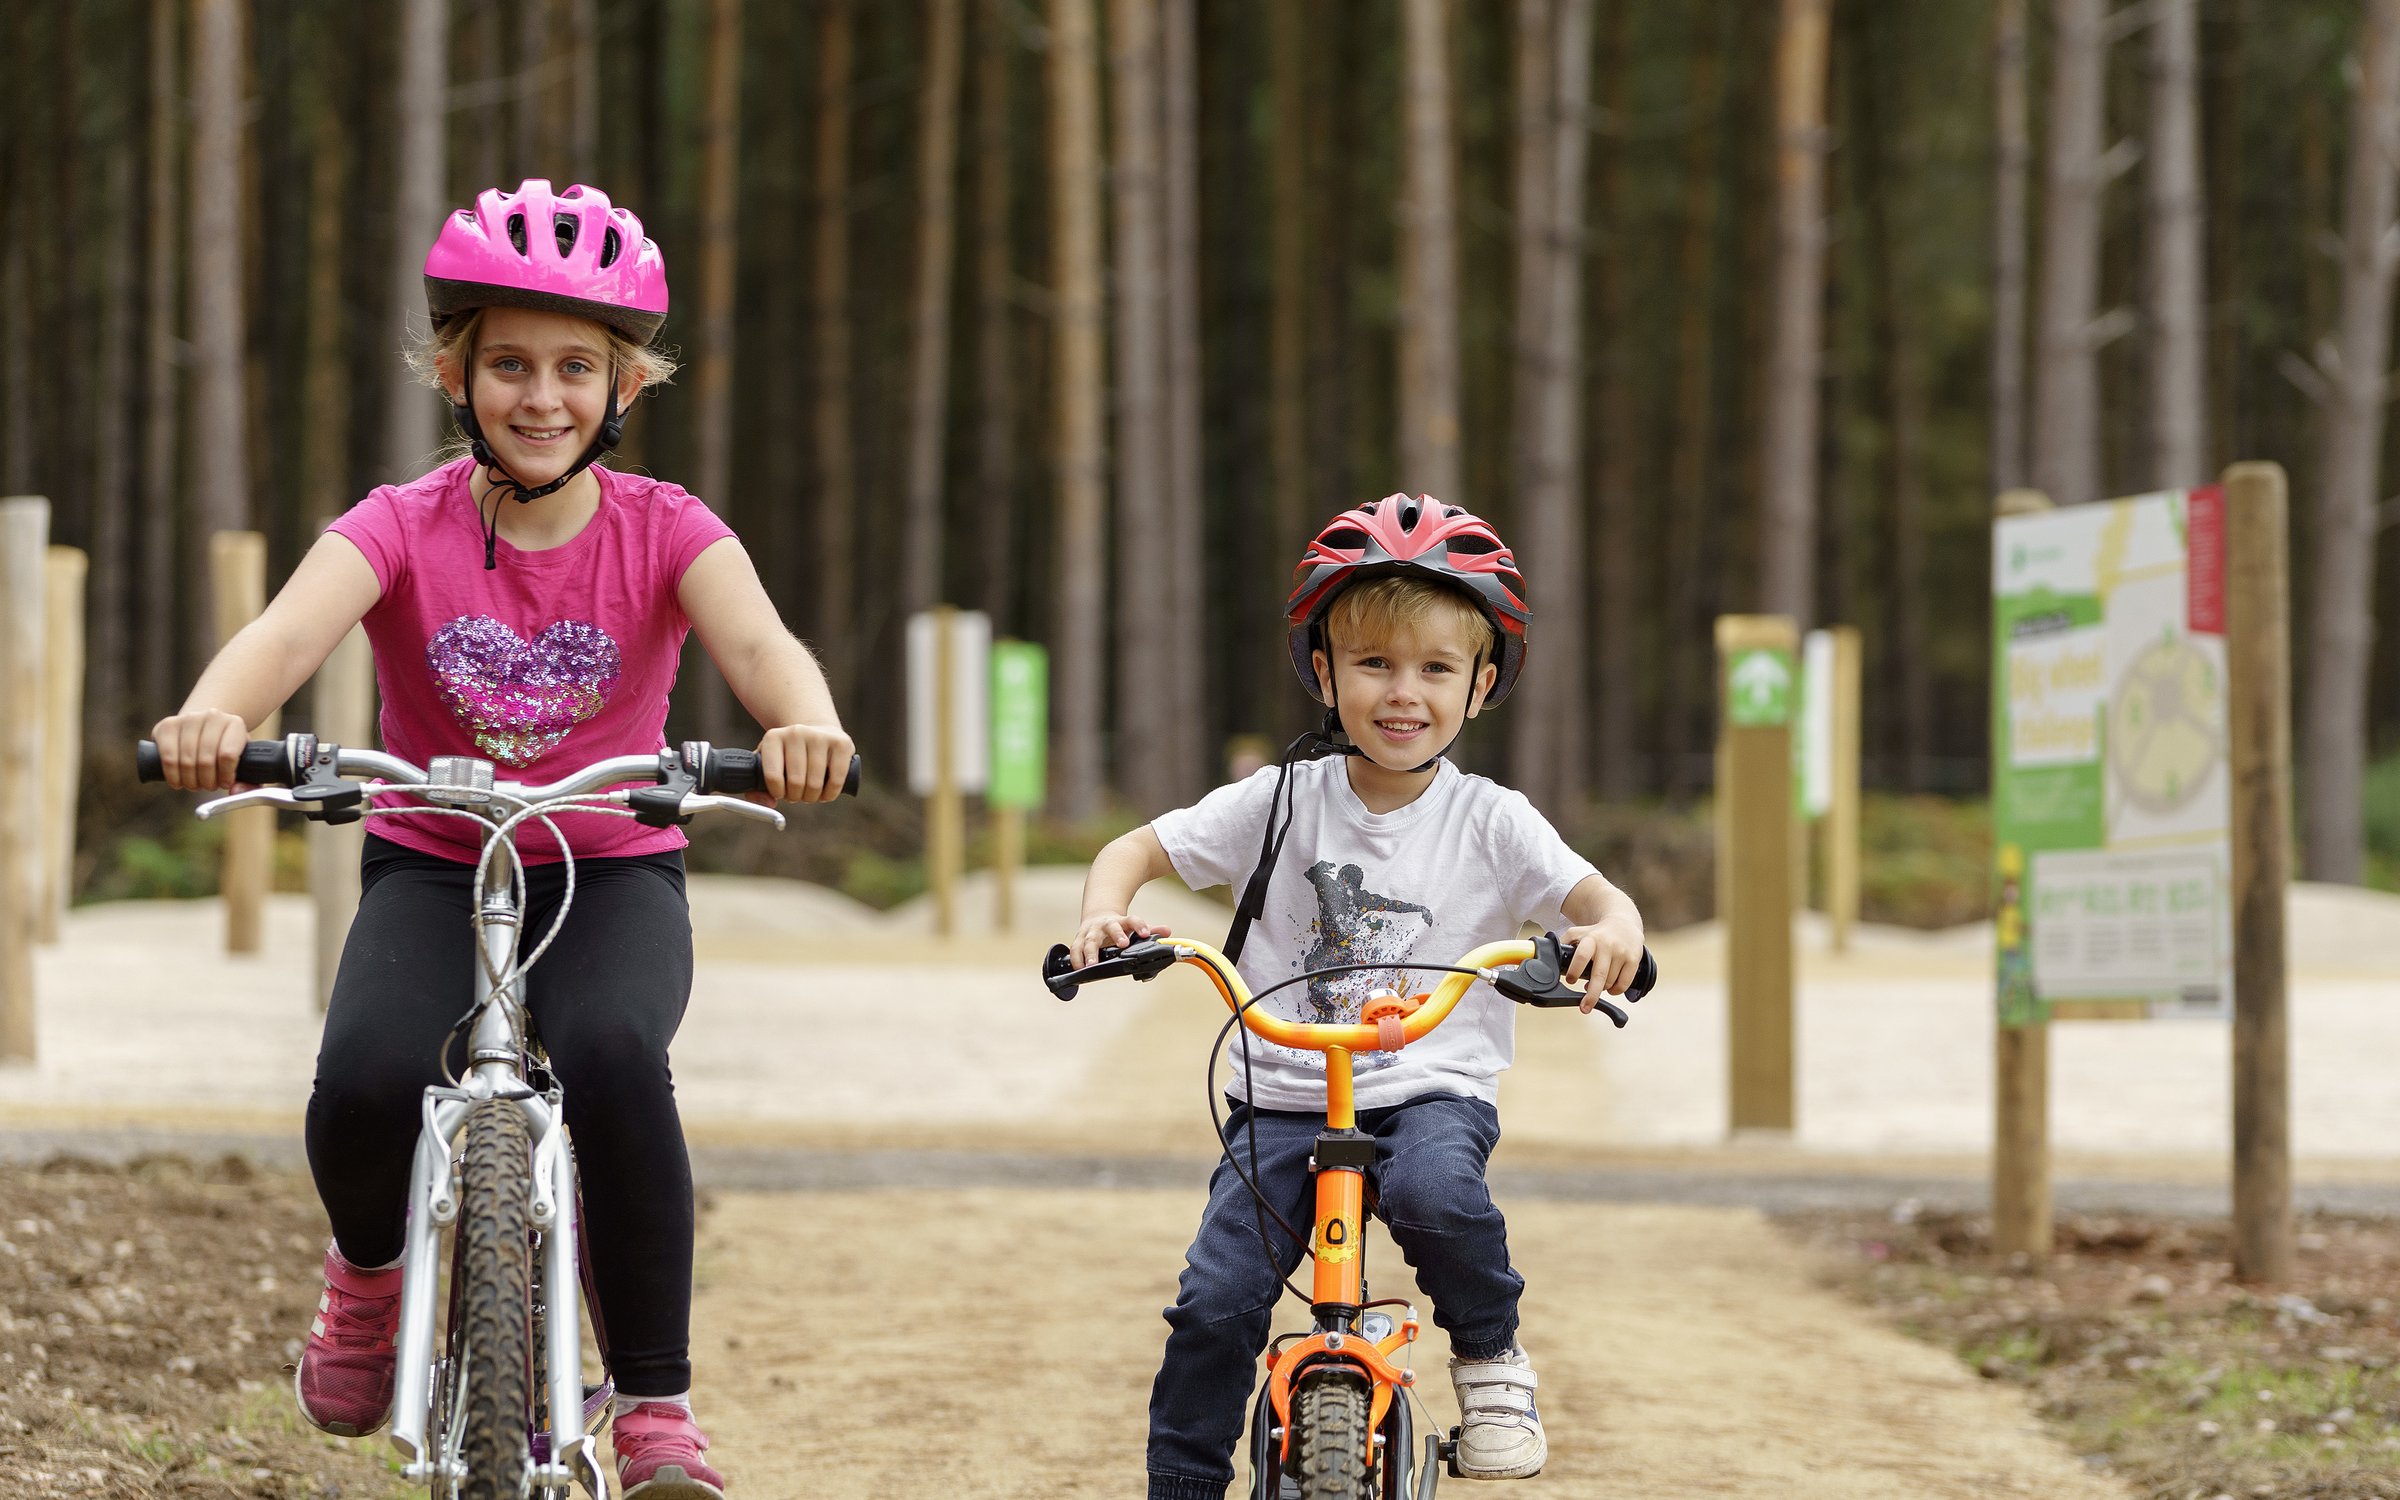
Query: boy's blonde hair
453, 344
1381, 608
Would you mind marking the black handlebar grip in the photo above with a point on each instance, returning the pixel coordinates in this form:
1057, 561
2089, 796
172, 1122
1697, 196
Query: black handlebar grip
264, 763
1058, 972
146, 764
850, 782
731, 772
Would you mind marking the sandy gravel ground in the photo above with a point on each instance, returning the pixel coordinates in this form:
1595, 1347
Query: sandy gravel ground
990, 1345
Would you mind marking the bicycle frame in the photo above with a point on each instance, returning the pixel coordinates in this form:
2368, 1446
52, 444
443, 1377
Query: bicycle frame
1337, 1299
497, 1055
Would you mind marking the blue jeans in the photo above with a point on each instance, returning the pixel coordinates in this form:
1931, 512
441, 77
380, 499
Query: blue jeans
1427, 1186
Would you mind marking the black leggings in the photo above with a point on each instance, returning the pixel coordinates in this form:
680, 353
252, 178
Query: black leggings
606, 1000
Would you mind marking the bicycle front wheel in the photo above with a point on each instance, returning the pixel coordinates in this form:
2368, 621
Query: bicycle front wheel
1329, 1441
491, 1335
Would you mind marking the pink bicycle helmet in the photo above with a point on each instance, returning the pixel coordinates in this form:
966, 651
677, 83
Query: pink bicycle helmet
1417, 537
570, 252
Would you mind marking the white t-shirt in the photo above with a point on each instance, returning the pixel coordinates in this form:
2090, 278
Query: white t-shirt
1468, 862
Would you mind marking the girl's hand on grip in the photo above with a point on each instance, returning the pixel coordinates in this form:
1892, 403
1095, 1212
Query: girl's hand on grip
1110, 929
1608, 953
803, 763
199, 749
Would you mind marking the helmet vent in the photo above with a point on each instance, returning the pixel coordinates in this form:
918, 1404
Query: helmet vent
610, 244
1408, 517
1348, 536
516, 232
1473, 545
1451, 510
565, 226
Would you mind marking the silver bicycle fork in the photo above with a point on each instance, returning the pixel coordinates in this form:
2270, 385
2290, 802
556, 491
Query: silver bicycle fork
433, 1205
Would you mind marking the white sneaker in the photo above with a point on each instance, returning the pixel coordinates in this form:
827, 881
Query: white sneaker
1500, 1433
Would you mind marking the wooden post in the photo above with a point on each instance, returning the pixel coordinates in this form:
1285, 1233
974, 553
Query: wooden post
342, 712
1841, 816
238, 566
2258, 729
2021, 1212
945, 832
1754, 864
62, 734
1008, 856
24, 542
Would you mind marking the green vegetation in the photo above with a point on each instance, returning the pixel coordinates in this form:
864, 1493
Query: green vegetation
2383, 824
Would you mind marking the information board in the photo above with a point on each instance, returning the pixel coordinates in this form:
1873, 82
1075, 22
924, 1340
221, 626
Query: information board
2110, 793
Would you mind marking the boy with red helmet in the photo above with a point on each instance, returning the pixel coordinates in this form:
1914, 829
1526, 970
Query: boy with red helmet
1407, 617
529, 608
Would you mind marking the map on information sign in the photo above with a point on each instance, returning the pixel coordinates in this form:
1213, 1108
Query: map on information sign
2110, 801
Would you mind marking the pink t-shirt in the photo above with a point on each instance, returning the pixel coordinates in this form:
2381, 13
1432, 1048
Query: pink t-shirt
543, 665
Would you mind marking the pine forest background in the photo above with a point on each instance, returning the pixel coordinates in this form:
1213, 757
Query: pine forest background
883, 226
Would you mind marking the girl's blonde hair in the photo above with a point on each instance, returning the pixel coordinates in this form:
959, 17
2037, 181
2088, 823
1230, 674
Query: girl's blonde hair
452, 344
1380, 608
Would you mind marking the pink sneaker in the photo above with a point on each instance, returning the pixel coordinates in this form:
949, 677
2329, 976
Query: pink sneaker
658, 1455
345, 1377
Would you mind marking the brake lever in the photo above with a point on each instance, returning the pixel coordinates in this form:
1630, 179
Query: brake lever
704, 801
1541, 980
257, 796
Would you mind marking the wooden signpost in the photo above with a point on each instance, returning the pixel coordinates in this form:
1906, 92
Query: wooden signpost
2258, 638
1755, 824
238, 568
2021, 1216
24, 546
948, 677
62, 734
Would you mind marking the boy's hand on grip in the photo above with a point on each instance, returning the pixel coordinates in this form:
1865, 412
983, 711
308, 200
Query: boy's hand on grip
1608, 953
1110, 929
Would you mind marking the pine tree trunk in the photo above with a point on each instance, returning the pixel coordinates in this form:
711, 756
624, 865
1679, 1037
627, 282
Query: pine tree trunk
1079, 643
2342, 584
2066, 411
2178, 322
1620, 540
929, 360
537, 116
583, 21
1529, 217
1143, 728
836, 475
1686, 696
1788, 515
1546, 751
712, 376
161, 390
105, 683
1876, 78
220, 450
325, 440
412, 415
1429, 457
1289, 222
2011, 156
1187, 661
995, 346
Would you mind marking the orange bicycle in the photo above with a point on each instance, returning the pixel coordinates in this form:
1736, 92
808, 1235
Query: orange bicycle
1332, 1422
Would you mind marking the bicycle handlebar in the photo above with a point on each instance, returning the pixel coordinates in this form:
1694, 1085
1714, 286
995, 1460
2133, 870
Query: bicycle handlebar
300, 761
1528, 972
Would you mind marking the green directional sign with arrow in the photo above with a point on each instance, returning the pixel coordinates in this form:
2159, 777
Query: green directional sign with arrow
1758, 688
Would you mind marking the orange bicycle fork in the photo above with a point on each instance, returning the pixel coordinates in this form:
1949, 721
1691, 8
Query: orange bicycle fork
1338, 1296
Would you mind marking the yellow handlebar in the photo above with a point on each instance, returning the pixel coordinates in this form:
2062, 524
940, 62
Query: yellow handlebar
1357, 1036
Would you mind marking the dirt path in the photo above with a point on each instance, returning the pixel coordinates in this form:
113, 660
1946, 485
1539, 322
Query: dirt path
874, 1344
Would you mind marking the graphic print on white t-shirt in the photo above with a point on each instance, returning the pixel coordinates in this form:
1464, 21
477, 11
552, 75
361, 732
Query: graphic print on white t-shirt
1355, 925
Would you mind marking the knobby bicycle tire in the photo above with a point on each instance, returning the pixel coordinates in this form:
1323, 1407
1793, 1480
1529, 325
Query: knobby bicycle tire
1329, 1448
491, 1339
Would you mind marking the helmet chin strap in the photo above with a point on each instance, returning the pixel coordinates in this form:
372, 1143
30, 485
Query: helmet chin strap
504, 484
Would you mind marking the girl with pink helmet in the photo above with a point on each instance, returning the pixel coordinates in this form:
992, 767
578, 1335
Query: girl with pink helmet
527, 606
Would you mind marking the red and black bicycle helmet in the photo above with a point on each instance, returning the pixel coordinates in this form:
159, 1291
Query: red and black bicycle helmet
1416, 537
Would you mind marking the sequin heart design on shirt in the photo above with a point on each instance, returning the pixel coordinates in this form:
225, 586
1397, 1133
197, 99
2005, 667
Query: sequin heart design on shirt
518, 697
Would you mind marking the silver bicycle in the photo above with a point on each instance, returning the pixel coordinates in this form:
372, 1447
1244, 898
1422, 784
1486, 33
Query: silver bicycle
497, 1409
